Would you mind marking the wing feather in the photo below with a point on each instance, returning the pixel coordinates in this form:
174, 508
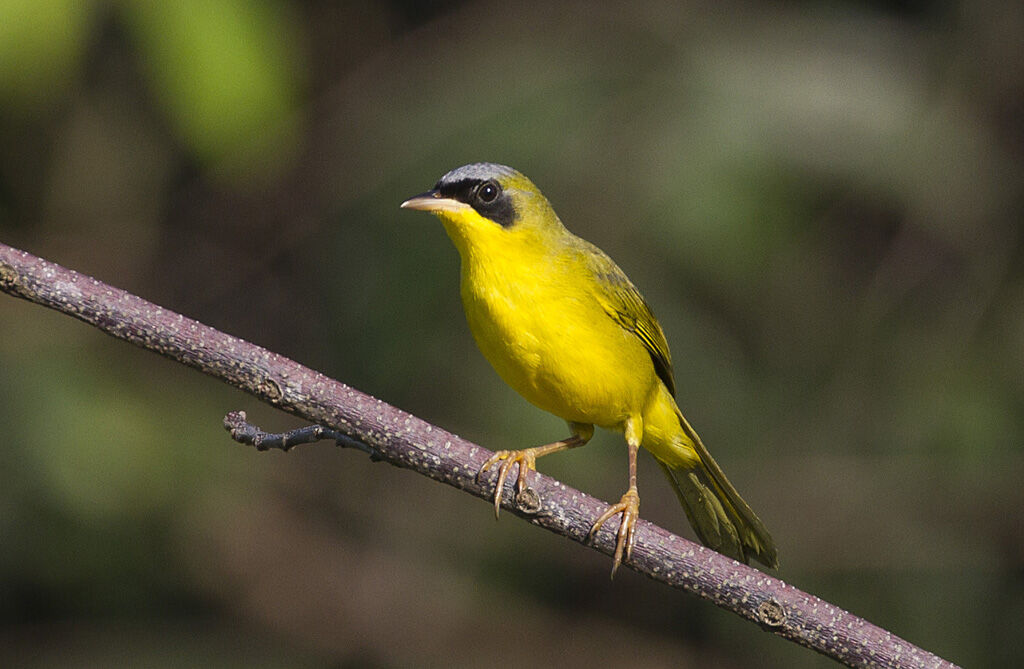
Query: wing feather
626, 306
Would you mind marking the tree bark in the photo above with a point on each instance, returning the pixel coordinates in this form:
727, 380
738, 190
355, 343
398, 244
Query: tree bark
407, 441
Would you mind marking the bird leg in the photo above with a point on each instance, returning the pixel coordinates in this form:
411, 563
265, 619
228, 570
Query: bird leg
629, 507
527, 459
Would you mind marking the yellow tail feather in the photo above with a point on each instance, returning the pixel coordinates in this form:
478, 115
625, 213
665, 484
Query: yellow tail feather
720, 517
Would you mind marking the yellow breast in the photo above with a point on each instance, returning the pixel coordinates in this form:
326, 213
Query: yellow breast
545, 334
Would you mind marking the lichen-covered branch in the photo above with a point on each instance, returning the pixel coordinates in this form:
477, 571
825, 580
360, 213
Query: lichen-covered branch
406, 441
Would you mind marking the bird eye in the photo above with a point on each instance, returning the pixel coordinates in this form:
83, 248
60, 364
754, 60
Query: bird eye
488, 192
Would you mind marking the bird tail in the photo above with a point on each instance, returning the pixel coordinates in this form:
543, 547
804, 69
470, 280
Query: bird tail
719, 516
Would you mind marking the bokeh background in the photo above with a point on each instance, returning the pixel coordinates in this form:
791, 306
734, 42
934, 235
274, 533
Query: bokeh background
822, 201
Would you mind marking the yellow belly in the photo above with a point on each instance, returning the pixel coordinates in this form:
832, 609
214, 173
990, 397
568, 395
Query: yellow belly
561, 352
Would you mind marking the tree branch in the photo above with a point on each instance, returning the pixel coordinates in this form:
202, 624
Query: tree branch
244, 432
406, 441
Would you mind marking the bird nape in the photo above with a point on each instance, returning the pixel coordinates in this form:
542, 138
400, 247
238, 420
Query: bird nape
566, 328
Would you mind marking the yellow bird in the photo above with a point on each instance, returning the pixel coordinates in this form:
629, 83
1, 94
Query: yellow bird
563, 325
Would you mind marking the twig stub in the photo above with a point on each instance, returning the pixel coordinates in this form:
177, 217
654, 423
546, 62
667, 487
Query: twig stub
404, 440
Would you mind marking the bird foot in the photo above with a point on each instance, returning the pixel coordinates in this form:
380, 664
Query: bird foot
629, 507
527, 461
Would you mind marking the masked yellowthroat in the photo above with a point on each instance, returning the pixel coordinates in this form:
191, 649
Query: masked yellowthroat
563, 325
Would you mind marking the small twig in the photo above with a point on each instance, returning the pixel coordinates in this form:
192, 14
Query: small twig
244, 432
407, 441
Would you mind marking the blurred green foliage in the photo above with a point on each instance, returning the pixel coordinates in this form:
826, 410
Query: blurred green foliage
822, 202
227, 72
41, 46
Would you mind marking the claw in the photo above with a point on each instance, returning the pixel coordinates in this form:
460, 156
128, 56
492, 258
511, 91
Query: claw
527, 461
629, 507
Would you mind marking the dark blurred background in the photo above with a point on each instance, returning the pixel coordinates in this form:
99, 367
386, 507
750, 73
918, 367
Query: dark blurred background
822, 202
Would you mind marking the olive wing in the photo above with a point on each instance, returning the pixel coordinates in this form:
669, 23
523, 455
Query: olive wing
626, 306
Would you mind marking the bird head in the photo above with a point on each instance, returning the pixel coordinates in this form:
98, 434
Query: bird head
486, 203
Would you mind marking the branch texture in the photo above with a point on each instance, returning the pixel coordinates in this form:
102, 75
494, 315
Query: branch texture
406, 441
